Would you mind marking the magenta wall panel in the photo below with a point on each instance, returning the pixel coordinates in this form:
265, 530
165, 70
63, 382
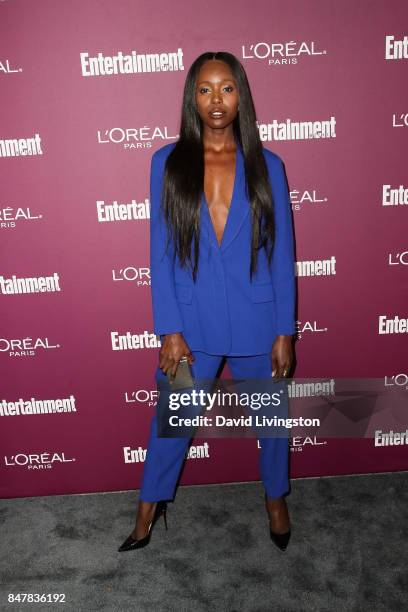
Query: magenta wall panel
75, 315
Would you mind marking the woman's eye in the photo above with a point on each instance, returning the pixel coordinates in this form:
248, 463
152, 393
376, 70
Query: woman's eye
227, 88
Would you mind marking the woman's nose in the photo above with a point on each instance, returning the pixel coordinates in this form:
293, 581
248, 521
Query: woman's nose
216, 97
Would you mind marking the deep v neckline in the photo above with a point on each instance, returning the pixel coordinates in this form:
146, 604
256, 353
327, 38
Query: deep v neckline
230, 206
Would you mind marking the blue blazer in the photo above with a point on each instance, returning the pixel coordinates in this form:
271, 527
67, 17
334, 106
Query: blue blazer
223, 313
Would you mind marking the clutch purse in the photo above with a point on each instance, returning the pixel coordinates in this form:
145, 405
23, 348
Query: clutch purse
183, 377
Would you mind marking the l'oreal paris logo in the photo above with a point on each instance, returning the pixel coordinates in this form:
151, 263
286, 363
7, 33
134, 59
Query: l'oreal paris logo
308, 326
134, 138
24, 347
282, 53
398, 380
33, 461
6, 67
396, 259
400, 120
147, 397
9, 216
297, 443
140, 276
309, 196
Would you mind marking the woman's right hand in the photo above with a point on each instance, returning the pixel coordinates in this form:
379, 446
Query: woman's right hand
172, 350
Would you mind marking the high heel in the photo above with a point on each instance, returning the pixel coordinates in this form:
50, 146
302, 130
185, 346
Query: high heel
131, 544
280, 539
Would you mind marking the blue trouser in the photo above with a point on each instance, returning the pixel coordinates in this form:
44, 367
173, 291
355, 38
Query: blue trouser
165, 456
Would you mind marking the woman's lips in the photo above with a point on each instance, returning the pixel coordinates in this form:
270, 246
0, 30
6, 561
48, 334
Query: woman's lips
217, 114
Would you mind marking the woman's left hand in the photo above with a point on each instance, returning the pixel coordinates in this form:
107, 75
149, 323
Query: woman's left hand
282, 356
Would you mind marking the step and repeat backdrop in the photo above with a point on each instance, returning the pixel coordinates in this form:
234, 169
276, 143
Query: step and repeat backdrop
89, 90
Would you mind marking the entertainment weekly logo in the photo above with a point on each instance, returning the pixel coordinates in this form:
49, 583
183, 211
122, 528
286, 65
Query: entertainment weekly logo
309, 196
142, 397
9, 216
396, 49
138, 455
281, 53
6, 67
34, 406
132, 211
390, 438
139, 276
21, 147
40, 461
36, 284
394, 325
311, 388
130, 341
134, 138
25, 347
317, 267
133, 63
394, 196
319, 388
297, 130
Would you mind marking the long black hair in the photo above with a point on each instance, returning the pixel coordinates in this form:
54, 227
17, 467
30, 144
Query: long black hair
184, 172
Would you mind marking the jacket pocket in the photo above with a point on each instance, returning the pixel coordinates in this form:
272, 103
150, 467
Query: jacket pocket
184, 293
262, 293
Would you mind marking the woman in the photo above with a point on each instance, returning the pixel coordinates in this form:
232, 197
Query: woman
222, 270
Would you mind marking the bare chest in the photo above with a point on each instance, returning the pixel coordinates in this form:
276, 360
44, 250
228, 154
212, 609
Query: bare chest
219, 178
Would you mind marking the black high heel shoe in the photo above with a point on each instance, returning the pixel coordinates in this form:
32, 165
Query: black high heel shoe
131, 544
281, 540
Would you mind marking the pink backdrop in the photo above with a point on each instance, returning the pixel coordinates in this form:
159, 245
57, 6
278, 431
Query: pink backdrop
306, 61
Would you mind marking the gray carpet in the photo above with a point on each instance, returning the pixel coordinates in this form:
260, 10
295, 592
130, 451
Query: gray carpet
347, 552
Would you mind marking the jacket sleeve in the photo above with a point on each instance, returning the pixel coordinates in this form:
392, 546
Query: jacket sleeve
166, 313
283, 258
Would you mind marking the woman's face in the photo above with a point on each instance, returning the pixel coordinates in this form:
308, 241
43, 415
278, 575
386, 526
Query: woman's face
216, 94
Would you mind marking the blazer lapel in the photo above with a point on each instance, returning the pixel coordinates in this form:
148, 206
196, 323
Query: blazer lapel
238, 211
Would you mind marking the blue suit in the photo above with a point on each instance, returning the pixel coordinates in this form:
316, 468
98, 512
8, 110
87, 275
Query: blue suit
222, 313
